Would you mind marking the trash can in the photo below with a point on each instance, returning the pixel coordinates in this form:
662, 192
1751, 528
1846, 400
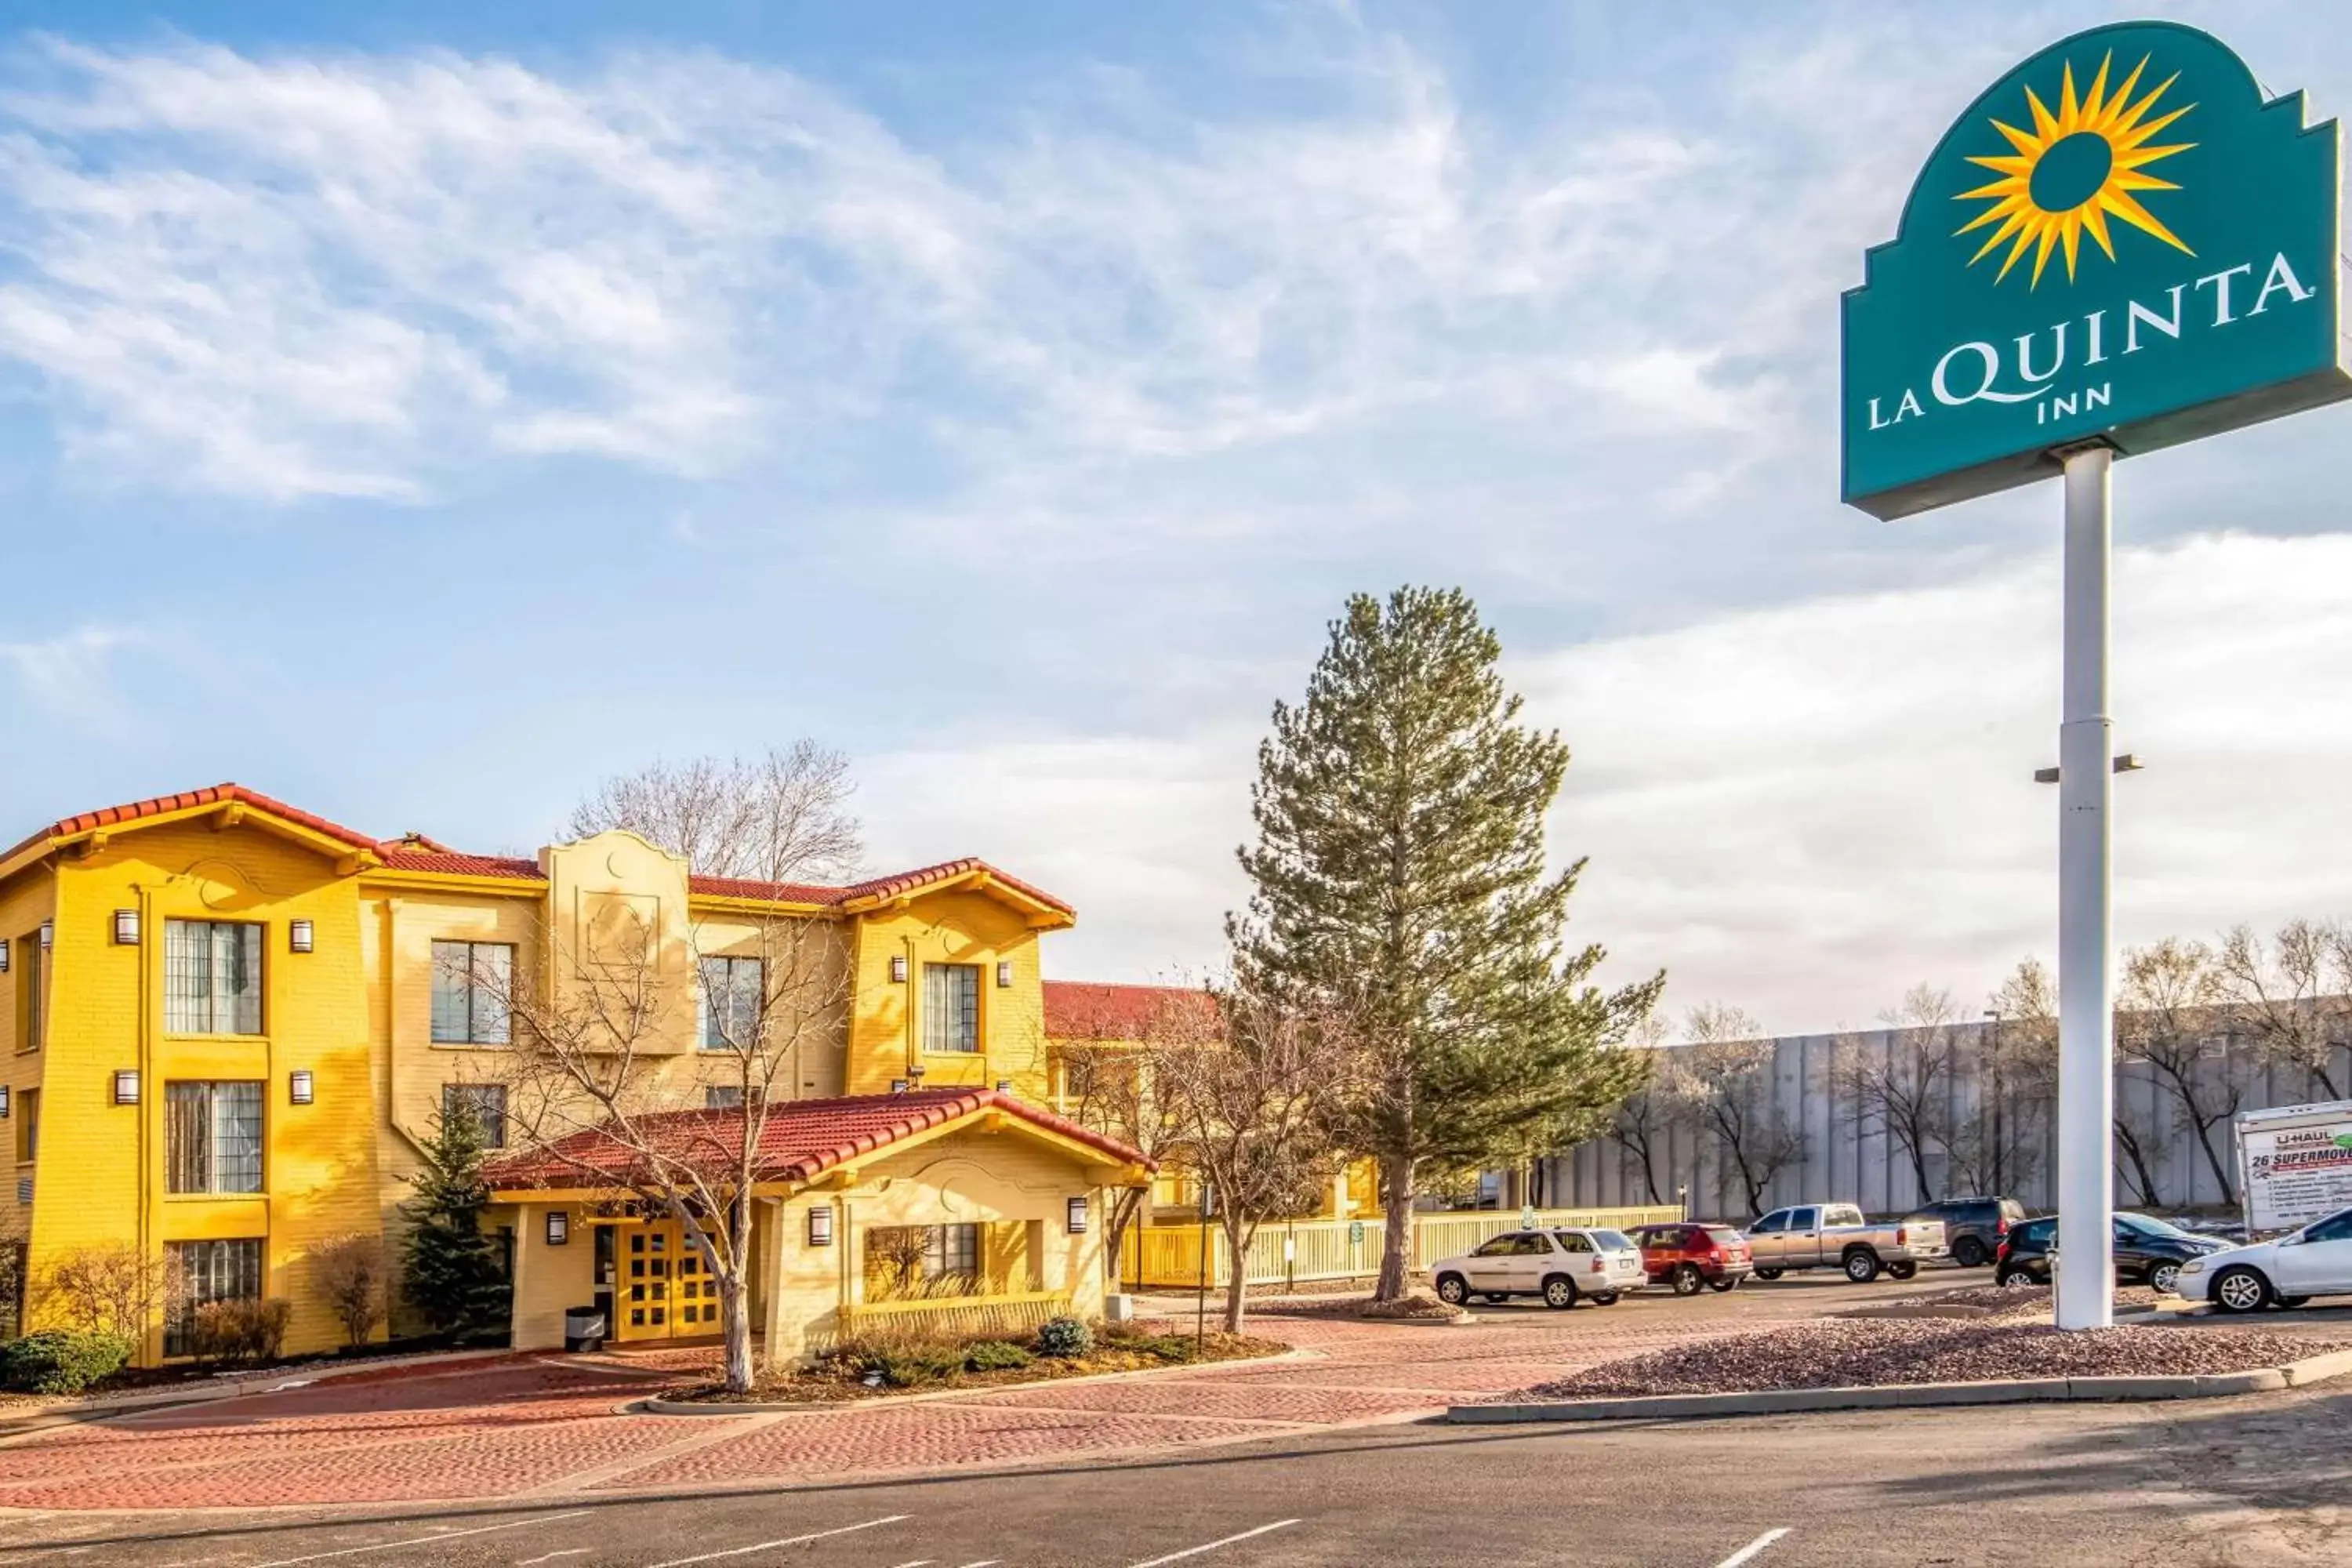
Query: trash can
583, 1329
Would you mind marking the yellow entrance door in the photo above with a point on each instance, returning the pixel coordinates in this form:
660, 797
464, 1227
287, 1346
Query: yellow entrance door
666, 1292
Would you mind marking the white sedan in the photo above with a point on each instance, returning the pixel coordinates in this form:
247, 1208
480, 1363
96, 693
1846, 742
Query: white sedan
1561, 1266
2284, 1271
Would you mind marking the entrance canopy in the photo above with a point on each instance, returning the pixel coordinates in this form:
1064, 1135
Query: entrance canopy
803, 1143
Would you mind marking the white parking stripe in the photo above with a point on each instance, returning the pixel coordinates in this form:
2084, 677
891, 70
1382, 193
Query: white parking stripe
422, 1539
1748, 1552
787, 1541
1212, 1546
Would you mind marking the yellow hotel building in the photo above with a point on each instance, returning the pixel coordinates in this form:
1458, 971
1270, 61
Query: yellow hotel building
226, 1025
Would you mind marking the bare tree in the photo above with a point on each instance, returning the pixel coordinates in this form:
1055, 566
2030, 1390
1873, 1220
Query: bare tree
780, 817
1724, 1077
2028, 1004
1646, 1117
2293, 996
353, 1275
1257, 1089
1906, 1090
1997, 1136
1113, 1091
2143, 1145
2168, 1017
112, 1288
616, 1078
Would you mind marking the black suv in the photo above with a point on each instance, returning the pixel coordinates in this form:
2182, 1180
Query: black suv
2147, 1251
1973, 1228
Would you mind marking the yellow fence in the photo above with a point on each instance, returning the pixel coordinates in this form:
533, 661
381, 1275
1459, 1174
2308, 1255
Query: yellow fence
1290, 1252
1018, 1313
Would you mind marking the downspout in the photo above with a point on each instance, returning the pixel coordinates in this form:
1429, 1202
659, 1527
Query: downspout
914, 990
150, 1093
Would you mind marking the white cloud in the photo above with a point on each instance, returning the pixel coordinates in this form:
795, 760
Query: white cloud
1803, 810
71, 675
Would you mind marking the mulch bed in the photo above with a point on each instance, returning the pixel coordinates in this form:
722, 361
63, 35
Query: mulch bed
1416, 1307
836, 1383
1849, 1352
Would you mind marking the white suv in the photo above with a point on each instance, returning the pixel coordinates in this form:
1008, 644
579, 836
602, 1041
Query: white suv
1561, 1266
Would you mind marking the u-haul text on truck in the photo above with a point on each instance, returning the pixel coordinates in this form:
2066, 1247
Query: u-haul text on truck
2297, 1163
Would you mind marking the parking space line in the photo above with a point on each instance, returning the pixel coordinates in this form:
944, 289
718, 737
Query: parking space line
1754, 1549
422, 1539
1228, 1541
787, 1541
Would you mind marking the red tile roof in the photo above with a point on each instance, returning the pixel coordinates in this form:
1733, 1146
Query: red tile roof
416, 852
799, 1141
188, 800
1100, 1010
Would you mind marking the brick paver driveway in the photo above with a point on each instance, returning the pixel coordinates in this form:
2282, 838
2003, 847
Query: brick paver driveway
548, 1426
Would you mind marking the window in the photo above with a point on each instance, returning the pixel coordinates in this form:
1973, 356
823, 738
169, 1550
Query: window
31, 995
485, 1102
1840, 1213
1804, 1219
2334, 1227
212, 977
28, 1125
1501, 1247
212, 1137
197, 1272
1611, 1240
722, 1097
1771, 1223
951, 1006
470, 982
1574, 1241
732, 995
951, 1249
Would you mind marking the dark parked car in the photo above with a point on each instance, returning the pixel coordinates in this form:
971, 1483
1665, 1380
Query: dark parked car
1689, 1255
1973, 1226
2147, 1251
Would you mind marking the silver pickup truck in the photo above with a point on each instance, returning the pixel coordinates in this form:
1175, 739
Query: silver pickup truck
1836, 1235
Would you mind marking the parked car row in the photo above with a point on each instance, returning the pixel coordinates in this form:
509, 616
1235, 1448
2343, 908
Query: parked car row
1564, 1266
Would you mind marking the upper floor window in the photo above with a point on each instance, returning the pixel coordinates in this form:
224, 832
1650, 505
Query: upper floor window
951, 1006
212, 1137
212, 977
485, 1102
722, 1097
32, 996
731, 997
471, 982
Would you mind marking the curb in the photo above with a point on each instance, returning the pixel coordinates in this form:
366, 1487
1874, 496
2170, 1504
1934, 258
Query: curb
1915, 1396
657, 1406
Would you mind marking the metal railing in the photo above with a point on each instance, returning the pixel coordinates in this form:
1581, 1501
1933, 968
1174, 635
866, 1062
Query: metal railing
1289, 1252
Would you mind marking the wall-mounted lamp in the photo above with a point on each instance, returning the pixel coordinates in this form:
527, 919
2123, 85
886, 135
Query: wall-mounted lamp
4, 955
301, 1089
1077, 1217
897, 1085
559, 1227
897, 969
4, 1102
917, 1072
819, 1232
126, 1086
126, 928
1004, 973
1004, 1086
49, 935
299, 935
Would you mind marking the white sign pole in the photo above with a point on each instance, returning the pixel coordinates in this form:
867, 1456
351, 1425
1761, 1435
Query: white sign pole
2085, 1272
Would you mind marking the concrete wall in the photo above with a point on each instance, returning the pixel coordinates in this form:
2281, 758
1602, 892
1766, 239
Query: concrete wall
1849, 1158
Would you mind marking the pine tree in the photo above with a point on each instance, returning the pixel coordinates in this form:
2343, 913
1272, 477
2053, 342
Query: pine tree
452, 1275
1400, 866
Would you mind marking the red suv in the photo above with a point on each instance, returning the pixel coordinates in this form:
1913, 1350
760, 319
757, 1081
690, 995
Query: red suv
1689, 1255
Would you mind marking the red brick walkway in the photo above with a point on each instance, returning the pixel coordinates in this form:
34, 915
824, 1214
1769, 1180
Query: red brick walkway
550, 1426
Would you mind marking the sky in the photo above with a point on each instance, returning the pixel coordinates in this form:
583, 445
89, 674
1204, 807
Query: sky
420, 412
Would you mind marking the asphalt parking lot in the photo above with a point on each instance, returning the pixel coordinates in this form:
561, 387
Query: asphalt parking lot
2257, 1481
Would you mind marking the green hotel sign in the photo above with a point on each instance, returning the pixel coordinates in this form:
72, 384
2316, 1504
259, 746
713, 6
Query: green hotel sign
2119, 240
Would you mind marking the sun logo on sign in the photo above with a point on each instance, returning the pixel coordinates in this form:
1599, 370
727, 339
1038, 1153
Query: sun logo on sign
2074, 171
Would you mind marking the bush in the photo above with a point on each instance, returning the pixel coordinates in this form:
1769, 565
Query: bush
1065, 1337
62, 1360
353, 1276
1167, 1347
250, 1330
911, 1366
996, 1356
